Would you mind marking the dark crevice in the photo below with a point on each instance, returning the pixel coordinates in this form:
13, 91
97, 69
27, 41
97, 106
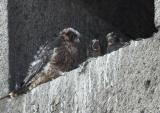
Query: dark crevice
147, 84
142, 111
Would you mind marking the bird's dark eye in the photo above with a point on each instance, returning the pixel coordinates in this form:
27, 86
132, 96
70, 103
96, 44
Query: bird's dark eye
71, 36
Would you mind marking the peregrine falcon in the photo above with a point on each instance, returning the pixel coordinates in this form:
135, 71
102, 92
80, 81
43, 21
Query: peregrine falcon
50, 64
116, 40
94, 49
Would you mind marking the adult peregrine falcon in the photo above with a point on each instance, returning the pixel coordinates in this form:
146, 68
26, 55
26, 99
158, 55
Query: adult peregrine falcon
50, 64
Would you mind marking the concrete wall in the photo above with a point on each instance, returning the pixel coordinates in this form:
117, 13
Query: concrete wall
4, 49
157, 12
124, 81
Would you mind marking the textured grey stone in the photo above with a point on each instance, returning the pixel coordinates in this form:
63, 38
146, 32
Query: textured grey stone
124, 81
4, 66
157, 13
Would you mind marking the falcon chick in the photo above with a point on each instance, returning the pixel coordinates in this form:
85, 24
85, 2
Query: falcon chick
94, 49
116, 40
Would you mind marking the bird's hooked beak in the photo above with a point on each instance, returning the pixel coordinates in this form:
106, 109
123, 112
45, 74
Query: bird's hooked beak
95, 45
110, 44
77, 40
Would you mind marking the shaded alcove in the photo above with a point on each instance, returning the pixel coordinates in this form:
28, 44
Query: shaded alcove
135, 18
32, 22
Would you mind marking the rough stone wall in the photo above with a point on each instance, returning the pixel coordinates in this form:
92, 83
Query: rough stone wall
4, 65
125, 81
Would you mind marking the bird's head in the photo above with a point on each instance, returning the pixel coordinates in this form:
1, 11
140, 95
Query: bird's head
112, 39
70, 35
95, 45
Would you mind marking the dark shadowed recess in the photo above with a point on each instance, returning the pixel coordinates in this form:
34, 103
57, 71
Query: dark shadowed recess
135, 18
33, 22
27, 31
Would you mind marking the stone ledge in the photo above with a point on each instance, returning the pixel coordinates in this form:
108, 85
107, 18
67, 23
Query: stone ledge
125, 81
